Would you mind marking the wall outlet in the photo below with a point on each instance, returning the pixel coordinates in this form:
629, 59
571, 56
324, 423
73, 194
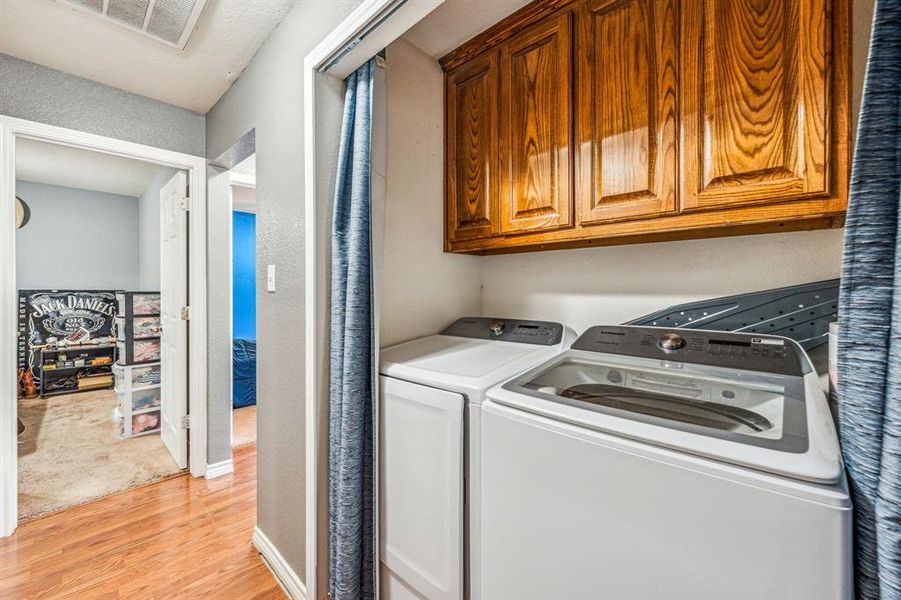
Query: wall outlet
270, 279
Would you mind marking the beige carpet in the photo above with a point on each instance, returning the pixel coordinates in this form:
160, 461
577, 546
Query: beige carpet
244, 425
69, 453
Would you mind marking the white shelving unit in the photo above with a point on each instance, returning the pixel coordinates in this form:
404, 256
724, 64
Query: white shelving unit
137, 371
138, 390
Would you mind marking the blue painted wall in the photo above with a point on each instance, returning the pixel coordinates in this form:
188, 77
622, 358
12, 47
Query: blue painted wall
244, 275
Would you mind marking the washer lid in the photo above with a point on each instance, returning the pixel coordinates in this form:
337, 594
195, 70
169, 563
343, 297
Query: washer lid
471, 365
757, 419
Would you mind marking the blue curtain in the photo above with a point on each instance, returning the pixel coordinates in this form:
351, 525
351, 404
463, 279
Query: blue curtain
352, 560
870, 316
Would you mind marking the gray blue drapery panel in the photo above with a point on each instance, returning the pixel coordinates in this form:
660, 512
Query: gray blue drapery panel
352, 560
870, 317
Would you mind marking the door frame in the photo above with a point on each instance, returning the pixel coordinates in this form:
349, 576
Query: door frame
372, 26
244, 181
12, 128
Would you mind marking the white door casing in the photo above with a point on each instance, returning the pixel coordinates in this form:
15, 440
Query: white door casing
173, 297
195, 166
372, 26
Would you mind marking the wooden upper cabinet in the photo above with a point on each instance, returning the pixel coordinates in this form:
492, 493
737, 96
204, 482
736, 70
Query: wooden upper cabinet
756, 99
473, 176
535, 127
626, 109
592, 122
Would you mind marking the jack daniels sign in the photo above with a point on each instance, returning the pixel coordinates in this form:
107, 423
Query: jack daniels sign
44, 314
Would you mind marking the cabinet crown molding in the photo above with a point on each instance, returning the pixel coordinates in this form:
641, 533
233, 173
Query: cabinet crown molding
502, 31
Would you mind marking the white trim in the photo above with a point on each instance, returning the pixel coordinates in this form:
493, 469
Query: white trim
8, 335
365, 30
311, 358
231, 316
241, 180
284, 574
10, 129
219, 469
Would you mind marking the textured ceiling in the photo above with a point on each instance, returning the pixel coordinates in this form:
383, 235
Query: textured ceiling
229, 33
457, 21
83, 169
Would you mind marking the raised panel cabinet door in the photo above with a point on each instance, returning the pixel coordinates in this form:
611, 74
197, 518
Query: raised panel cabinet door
756, 101
536, 98
473, 177
626, 123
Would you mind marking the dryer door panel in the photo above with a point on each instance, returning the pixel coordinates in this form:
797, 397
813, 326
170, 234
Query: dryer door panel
421, 487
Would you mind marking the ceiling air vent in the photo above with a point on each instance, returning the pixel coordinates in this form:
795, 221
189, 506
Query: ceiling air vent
168, 21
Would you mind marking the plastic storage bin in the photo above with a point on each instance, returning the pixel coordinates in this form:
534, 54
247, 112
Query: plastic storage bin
137, 328
131, 378
135, 304
139, 400
136, 352
144, 423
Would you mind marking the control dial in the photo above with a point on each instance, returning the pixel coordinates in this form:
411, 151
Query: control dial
496, 327
671, 341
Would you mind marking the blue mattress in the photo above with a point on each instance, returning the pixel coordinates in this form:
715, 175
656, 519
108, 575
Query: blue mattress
244, 373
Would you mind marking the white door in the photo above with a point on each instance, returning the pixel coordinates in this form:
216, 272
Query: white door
174, 296
421, 491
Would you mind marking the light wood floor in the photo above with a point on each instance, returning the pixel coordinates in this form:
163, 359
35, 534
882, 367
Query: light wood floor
179, 538
244, 425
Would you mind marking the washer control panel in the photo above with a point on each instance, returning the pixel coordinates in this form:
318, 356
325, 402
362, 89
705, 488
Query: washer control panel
748, 351
540, 333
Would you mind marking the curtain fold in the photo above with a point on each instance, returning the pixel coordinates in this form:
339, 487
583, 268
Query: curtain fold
352, 560
870, 319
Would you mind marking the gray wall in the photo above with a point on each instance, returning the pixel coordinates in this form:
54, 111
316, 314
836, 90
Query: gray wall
149, 232
33, 92
414, 218
77, 239
268, 97
219, 309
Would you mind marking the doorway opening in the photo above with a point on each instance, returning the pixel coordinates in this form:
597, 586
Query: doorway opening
94, 275
92, 407
242, 189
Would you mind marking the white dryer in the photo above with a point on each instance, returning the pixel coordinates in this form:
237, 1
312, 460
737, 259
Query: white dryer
648, 463
431, 390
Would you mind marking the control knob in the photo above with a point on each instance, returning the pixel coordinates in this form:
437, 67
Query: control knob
496, 327
671, 341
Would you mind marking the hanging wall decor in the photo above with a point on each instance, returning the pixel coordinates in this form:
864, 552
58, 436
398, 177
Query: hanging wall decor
49, 316
23, 213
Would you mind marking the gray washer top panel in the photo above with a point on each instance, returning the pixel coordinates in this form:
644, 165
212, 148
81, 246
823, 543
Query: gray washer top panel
539, 333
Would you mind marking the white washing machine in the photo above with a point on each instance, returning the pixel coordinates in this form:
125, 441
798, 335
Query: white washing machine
430, 394
648, 464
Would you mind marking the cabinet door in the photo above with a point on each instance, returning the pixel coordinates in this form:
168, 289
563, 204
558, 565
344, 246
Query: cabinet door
626, 109
755, 101
535, 128
473, 177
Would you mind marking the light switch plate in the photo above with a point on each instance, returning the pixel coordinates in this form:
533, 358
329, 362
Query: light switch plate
270, 278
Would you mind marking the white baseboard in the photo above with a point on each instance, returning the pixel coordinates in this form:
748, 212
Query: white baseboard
220, 468
283, 572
